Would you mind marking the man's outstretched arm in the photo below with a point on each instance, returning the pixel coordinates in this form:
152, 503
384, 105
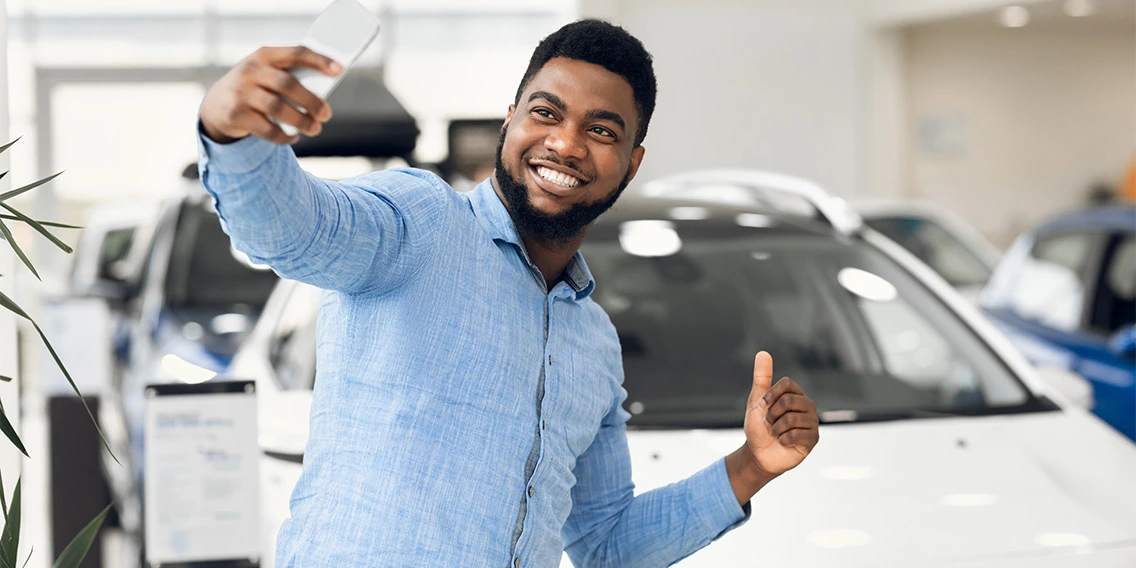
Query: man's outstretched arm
365, 234
611, 526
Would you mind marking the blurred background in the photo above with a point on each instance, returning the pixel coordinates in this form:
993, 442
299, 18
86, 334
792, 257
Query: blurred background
994, 115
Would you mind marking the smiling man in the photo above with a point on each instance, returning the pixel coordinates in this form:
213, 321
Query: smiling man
467, 409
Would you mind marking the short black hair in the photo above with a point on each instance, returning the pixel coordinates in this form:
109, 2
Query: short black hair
609, 46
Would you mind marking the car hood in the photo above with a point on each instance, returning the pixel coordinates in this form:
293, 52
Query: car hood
928, 492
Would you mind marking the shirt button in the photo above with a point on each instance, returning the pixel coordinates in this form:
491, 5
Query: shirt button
550, 359
531, 491
517, 562
543, 425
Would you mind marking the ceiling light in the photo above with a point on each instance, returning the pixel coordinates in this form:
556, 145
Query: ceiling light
1014, 16
689, 213
866, 285
1080, 8
649, 237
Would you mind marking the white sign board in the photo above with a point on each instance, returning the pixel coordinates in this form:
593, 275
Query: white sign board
202, 490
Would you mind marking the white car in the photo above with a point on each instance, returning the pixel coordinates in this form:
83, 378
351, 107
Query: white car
940, 446
938, 237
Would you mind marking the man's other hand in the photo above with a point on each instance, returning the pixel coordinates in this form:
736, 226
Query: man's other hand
253, 91
781, 424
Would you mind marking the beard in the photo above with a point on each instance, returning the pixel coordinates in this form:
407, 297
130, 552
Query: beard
559, 227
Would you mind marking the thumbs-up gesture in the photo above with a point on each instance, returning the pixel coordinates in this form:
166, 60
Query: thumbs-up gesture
781, 424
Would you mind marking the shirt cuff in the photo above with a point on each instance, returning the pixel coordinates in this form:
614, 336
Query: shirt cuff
714, 502
242, 156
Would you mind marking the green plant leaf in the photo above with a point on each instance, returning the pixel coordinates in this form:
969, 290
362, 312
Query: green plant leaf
44, 223
74, 553
10, 194
10, 537
15, 247
3, 500
10, 432
8, 145
29, 558
39, 228
4, 379
8, 304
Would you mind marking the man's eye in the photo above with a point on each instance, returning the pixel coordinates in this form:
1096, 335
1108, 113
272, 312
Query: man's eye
603, 132
543, 112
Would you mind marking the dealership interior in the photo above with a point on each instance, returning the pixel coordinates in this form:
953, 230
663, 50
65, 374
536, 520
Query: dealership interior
925, 210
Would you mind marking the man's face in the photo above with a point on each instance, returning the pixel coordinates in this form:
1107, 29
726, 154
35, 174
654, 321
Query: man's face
567, 148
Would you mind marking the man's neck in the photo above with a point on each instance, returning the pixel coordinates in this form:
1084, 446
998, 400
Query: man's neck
551, 257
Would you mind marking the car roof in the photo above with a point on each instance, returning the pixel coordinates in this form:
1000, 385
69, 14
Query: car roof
634, 207
1115, 217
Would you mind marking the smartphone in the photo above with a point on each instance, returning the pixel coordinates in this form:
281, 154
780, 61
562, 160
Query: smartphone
342, 31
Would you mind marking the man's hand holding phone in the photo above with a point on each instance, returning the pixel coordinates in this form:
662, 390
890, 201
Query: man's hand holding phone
254, 91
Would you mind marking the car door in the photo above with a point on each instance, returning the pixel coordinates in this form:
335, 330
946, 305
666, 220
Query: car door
1068, 294
280, 355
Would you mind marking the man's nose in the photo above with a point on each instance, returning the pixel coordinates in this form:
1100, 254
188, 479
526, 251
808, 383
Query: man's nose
567, 143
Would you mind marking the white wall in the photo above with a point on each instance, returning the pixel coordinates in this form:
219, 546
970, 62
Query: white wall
1041, 114
759, 84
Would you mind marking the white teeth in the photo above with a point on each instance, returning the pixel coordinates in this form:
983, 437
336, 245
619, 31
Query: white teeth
557, 177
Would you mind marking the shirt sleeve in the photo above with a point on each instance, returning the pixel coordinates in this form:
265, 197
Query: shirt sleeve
362, 235
611, 526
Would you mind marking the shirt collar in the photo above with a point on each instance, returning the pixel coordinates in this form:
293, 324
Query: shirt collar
487, 206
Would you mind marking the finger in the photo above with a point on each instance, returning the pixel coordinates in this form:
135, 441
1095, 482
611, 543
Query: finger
791, 420
283, 83
299, 56
789, 402
762, 378
783, 386
264, 128
271, 105
803, 438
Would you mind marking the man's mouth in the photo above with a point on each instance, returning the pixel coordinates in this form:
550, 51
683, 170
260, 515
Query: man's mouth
558, 180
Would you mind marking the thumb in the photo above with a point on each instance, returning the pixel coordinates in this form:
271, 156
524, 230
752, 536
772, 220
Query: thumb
762, 377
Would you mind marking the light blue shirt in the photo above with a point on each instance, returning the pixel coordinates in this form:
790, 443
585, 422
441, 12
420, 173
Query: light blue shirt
444, 366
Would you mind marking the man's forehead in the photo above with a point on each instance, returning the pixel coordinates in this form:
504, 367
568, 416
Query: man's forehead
584, 86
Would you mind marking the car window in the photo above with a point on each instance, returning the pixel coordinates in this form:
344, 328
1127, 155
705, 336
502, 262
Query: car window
862, 336
934, 245
1114, 303
293, 344
116, 243
1050, 287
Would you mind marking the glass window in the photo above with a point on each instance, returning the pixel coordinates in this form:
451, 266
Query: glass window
861, 336
293, 347
1050, 286
114, 247
1114, 305
936, 246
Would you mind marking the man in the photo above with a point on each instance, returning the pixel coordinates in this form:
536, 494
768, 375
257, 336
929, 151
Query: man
467, 407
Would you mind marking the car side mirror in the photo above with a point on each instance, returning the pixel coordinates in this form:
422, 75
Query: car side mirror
1070, 385
1123, 342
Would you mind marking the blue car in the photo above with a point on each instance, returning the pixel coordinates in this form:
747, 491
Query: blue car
1065, 294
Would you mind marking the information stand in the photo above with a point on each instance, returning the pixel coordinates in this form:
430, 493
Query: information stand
202, 493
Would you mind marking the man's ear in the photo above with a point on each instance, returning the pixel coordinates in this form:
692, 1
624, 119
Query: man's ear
508, 117
636, 159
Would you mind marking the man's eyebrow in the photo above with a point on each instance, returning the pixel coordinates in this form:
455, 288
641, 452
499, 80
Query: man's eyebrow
600, 114
551, 98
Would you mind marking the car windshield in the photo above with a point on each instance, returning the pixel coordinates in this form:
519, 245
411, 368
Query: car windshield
212, 295
863, 338
936, 246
